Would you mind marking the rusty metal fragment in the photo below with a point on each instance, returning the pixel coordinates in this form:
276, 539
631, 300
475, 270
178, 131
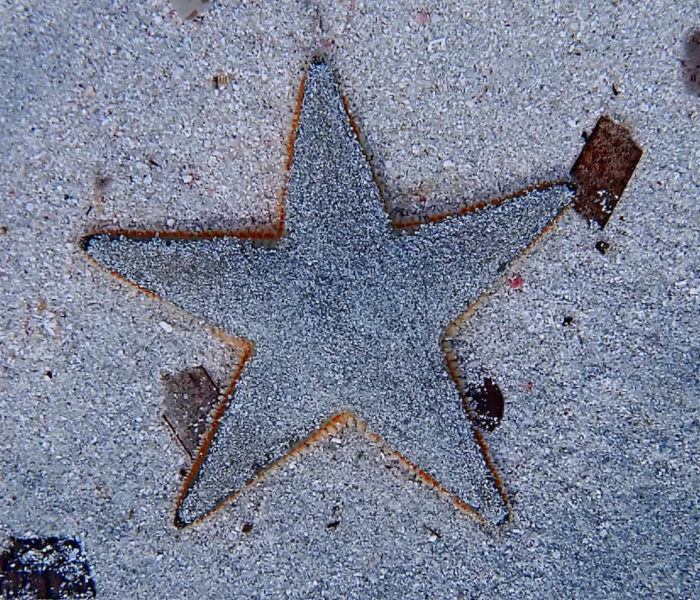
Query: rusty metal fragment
603, 169
486, 403
49, 567
190, 398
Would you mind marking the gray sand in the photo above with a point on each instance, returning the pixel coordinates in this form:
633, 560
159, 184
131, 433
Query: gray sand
598, 448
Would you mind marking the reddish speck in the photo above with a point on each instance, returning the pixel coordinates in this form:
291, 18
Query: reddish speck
515, 281
422, 17
326, 42
529, 386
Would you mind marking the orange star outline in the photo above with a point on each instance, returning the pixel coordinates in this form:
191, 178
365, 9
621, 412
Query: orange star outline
272, 232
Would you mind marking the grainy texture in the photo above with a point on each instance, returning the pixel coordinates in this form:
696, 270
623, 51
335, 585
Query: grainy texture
599, 441
345, 311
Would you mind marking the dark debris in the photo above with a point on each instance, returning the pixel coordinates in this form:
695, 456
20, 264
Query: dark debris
45, 568
602, 246
190, 397
487, 404
603, 170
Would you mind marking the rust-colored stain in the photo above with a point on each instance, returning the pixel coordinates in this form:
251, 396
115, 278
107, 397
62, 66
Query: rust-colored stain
190, 399
603, 170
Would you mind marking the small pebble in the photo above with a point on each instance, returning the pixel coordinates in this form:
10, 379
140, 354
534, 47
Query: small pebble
165, 326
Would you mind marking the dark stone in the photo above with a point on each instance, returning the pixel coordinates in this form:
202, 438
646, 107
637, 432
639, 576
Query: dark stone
45, 568
602, 246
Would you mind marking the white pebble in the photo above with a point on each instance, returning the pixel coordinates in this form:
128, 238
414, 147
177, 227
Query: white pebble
165, 326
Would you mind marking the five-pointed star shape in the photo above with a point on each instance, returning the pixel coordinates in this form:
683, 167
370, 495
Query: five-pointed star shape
345, 312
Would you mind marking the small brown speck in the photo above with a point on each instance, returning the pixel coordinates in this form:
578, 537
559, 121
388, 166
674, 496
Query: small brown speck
247, 527
102, 181
219, 80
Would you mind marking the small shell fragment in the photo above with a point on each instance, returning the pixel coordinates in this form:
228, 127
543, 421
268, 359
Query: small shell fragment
190, 9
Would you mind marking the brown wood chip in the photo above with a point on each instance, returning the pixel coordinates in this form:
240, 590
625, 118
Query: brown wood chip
603, 169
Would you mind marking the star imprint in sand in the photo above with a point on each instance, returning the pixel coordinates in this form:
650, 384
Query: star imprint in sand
346, 313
